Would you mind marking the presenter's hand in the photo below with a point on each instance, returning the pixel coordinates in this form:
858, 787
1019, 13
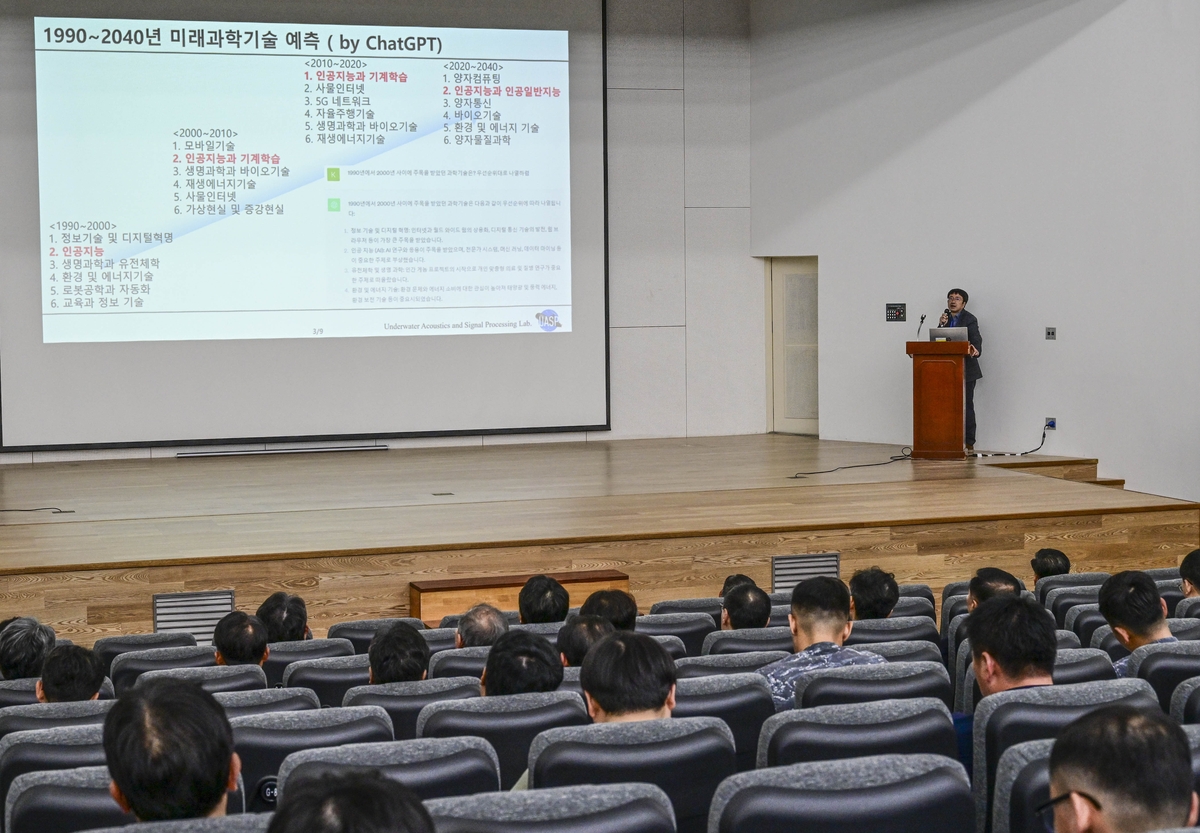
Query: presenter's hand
971, 351
944, 320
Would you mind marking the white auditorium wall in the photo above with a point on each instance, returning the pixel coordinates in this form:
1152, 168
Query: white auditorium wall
1044, 155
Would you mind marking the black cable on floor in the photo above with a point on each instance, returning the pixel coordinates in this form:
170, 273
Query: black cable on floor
54, 510
905, 454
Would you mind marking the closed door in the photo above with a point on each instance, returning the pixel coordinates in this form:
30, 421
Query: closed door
794, 345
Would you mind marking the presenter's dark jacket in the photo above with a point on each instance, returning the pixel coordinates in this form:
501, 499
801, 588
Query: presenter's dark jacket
971, 370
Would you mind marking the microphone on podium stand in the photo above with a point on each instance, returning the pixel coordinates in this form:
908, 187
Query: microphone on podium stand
919, 325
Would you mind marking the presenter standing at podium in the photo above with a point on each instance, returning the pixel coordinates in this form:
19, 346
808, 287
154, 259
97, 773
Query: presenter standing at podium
956, 315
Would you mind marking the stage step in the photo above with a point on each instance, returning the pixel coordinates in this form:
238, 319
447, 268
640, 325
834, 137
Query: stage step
1111, 482
1082, 469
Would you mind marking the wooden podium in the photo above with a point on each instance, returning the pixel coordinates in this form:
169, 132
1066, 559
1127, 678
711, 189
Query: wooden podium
938, 399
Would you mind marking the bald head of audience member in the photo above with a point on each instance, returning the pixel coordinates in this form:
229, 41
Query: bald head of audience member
577, 637
617, 606
628, 677
1013, 644
989, 582
480, 627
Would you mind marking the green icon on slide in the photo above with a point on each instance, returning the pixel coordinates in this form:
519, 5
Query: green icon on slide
335, 204
333, 174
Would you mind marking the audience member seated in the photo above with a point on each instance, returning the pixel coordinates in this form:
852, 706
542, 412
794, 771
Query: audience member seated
734, 580
70, 674
1120, 770
1137, 614
745, 606
285, 616
873, 594
1048, 562
543, 599
578, 636
1189, 574
398, 654
240, 639
353, 802
169, 751
480, 627
24, 644
617, 606
989, 582
820, 623
521, 663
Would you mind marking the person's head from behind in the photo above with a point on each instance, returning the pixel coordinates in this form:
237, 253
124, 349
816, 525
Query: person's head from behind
353, 801
1133, 608
1013, 644
480, 627
873, 594
745, 606
70, 673
521, 663
1048, 562
820, 612
169, 751
616, 606
398, 654
628, 677
735, 580
286, 617
989, 582
578, 635
1120, 770
24, 645
240, 639
543, 599
1189, 574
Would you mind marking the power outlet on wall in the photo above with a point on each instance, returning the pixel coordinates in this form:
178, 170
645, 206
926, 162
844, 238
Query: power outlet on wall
1051, 423
1051, 333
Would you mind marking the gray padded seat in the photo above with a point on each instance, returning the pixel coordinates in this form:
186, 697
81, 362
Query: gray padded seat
1067, 639
264, 740
267, 701
1172, 593
691, 628
712, 605
685, 757
920, 725
710, 664
1188, 608
617, 808
1025, 770
952, 643
1060, 600
432, 768
62, 801
108, 648
748, 639
782, 597
509, 723
955, 588
404, 701
914, 606
439, 639
779, 616
330, 678
903, 651
513, 617
673, 644
1049, 583
927, 793
1084, 621
1010, 717
1165, 665
1163, 573
42, 750
547, 629
360, 632
458, 662
282, 654
953, 607
248, 823
128, 666
53, 715
1071, 666
1185, 702
18, 692
743, 701
870, 683
918, 591
963, 680
570, 681
212, 678
893, 629
1185, 630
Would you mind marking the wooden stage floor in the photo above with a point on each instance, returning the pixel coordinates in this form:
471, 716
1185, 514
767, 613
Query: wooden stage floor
348, 531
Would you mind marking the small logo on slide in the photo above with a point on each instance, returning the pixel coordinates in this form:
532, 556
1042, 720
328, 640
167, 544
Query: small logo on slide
548, 320
335, 204
333, 174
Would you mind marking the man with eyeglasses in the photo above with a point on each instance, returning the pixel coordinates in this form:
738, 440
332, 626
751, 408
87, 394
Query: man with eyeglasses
1120, 770
956, 315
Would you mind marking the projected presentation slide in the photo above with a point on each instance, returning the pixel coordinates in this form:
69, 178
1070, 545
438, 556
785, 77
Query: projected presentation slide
203, 180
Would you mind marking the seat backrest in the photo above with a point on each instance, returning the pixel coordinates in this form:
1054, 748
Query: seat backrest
264, 740
1062, 599
513, 617
779, 616
869, 683
918, 591
1171, 592
267, 701
1044, 586
128, 666
1188, 608
687, 757
1067, 639
1163, 573
1185, 702
570, 681
283, 654
403, 701
902, 793
432, 768
62, 801
951, 608
711, 605
248, 823
509, 723
212, 678
710, 664
893, 629
955, 588
673, 645
439, 639
39, 750
330, 677
743, 701
360, 632
915, 606
1185, 630
621, 808
1165, 665
459, 662
1022, 785
748, 639
956, 634
1084, 620
18, 692
689, 627
547, 629
53, 715
1082, 665
904, 651
108, 648
781, 597
921, 725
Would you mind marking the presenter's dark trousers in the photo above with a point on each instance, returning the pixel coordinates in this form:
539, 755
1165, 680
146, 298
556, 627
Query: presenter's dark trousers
969, 412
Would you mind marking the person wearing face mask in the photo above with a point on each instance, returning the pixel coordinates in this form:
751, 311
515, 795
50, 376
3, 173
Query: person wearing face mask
956, 315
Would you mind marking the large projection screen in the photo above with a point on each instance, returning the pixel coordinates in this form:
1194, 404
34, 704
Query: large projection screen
290, 220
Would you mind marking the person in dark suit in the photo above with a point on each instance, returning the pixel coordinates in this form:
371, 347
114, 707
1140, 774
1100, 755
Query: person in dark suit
956, 315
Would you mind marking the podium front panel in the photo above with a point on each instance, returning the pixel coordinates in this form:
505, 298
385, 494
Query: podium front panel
938, 407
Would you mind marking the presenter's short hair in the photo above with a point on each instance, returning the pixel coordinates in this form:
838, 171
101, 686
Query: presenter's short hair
616, 606
821, 600
71, 673
481, 626
543, 599
579, 634
1131, 600
398, 654
748, 607
522, 663
285, 615
957, 291
1051, 562
875, 593
628, 672
240, 638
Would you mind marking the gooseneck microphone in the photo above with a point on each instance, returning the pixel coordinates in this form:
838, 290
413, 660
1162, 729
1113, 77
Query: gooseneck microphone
919, 325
